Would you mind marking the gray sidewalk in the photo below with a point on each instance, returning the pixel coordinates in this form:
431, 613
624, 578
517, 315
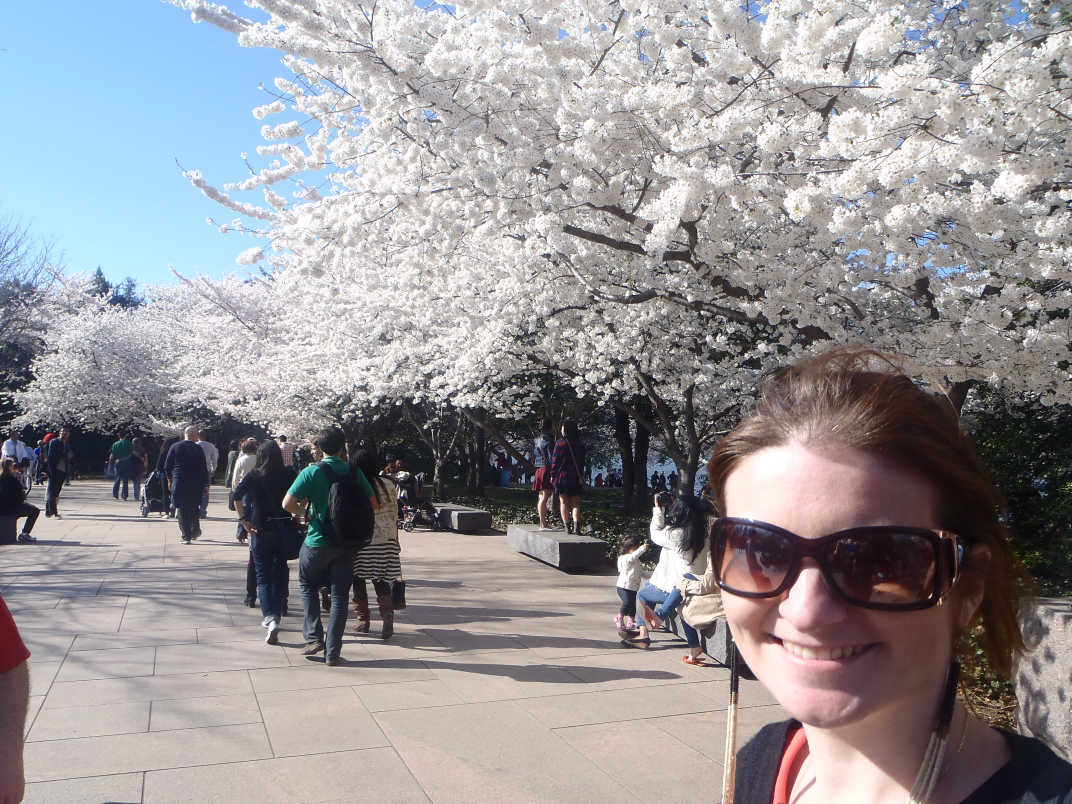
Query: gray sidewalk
504, 681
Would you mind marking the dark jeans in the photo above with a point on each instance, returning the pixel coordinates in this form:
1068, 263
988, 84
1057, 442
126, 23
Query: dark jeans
123, 475
628, 597
327, 565
189, 522
272, 574
31, 512
52, 492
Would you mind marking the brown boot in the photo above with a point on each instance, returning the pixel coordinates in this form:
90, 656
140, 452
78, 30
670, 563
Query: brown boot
387, 614
362, 609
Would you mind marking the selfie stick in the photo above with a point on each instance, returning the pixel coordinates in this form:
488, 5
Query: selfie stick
729, 757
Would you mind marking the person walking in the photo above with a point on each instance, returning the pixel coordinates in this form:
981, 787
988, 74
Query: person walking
59, 464
259, 499
378, 561
287, 451
139, 464
185, 464
212, 458
121, 457
323, 562
245, 463
13, 501
566, 470
541, 458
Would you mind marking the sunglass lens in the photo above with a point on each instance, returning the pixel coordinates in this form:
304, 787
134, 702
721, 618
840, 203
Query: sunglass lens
886, 568
755, 560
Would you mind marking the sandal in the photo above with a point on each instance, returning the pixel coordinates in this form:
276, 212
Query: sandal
696, 661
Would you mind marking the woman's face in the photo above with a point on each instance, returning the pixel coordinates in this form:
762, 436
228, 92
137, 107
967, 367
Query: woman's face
887, 660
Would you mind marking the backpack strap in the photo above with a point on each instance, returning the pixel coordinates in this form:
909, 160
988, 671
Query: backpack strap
331, 473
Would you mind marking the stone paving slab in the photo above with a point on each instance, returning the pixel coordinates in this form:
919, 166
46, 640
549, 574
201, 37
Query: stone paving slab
504, 681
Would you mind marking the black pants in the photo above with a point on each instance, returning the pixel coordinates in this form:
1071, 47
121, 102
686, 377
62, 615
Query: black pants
189, 518
52, 492
361, 591
31, 512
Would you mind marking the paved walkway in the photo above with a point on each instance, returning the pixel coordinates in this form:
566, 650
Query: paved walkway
504, 681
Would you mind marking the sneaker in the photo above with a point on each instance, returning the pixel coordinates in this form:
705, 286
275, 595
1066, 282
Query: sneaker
312, 647
272, 636
267, 621
619, 622
26, 538
57, 516
251, 602
332, 661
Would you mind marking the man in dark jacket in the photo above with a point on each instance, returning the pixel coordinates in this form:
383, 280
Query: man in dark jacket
185, 464
59, 458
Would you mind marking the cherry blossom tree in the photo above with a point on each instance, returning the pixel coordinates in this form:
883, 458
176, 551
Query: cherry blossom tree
663, 197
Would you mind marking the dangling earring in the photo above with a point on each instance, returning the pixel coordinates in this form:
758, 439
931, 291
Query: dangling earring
931, 767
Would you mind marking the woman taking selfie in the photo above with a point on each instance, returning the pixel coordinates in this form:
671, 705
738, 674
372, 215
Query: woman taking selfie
861, 541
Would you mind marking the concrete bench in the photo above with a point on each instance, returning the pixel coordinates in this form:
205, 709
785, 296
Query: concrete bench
463, 519
563, 550
1042, 675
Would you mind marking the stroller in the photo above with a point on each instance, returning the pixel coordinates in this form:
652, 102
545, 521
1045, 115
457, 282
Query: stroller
412, 510
154, 497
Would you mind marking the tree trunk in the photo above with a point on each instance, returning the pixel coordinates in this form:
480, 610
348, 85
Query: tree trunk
958, 394
625, 449
641, 443
488, 427
480, 460
437, 478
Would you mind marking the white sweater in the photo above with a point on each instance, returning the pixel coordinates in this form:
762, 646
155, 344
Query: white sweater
673, 562
629, 569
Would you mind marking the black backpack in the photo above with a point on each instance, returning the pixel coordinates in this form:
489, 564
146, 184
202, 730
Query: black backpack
348, 519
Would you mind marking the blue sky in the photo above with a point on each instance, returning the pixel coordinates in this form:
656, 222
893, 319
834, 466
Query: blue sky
101, 100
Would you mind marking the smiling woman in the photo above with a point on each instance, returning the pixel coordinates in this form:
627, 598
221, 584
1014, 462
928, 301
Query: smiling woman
861, 540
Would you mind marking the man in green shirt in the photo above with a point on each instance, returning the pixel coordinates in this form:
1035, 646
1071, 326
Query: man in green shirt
322, 562
121, 452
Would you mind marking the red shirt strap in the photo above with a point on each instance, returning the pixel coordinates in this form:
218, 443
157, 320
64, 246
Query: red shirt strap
793, 755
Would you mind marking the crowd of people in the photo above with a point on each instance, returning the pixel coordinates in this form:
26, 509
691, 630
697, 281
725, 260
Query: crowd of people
849, 535
50, 463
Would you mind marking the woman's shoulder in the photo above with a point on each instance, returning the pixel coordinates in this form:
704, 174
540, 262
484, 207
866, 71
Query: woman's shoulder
758, 761
1034, 774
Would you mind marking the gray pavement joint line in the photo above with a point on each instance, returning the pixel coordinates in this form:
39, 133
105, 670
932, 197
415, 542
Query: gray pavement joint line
264, 723
141, 797
149, 725
52, 681
119, 626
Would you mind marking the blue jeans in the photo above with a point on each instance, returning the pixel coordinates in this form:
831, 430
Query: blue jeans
271, 572
122, 475
332, 566
664, 604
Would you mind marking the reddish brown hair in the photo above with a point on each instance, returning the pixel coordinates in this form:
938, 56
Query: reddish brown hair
861, 399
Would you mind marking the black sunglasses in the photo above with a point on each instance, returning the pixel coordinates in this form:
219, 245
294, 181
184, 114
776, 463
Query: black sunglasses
885, 567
